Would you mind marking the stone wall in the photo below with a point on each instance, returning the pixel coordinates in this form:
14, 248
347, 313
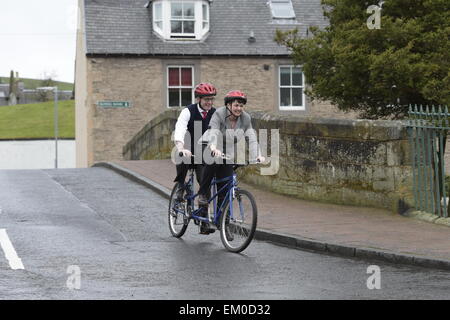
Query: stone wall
353, 162
134, 80
154, 141
357, 162
259, 79
246, 74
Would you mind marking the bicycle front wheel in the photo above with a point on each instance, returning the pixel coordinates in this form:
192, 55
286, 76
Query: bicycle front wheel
178, 220
237, 227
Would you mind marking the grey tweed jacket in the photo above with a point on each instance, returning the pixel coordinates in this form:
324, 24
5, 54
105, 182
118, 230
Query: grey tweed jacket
232, 140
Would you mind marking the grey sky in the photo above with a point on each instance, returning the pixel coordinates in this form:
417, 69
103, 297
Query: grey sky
38, 37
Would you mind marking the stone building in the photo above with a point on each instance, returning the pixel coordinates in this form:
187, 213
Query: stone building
138, 58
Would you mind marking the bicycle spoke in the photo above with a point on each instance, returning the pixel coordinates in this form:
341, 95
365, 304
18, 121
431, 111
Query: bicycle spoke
237, 231
177, 214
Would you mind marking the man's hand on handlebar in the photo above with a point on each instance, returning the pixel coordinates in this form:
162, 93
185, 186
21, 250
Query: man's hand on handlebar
184, 153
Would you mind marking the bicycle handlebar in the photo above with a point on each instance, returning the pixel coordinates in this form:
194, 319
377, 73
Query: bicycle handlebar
181, 154
227, 157
223, 156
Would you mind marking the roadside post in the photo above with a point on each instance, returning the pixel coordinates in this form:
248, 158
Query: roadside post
56, 126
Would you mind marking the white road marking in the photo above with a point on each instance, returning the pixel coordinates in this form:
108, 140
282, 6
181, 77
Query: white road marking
10, 254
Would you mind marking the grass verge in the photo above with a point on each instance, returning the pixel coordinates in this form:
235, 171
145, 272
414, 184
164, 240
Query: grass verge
36, 121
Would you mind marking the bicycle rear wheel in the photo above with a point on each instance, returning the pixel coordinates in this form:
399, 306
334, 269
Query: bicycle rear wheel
237, 231
178, 220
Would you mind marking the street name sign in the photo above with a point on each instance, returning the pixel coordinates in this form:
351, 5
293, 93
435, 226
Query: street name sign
114, 104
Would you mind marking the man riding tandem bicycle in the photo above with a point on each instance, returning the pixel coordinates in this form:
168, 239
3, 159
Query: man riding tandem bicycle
222, 204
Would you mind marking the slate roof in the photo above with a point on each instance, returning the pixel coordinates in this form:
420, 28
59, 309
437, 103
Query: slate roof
125, 27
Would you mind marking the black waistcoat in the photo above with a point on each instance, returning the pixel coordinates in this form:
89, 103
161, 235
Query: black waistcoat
196, 116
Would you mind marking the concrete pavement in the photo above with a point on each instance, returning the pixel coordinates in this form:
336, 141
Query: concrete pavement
360, 232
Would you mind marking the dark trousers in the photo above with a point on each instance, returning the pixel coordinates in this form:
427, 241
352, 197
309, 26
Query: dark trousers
220, 171
183, 168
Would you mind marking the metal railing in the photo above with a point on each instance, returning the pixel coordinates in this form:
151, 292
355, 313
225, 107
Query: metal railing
428, 128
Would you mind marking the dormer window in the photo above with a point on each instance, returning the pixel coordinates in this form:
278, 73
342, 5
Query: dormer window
181, 19
282, 9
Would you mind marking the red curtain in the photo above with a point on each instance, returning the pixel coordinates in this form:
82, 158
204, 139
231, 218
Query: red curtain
186, 76
174, 77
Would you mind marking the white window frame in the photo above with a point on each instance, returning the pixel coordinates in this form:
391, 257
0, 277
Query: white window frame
199, 20
273, 3
182, 19
291, 107
205, 20
161, 19
180, 86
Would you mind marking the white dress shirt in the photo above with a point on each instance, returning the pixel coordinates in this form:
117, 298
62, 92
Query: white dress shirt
182, 123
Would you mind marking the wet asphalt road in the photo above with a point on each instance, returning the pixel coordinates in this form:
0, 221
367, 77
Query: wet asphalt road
114, 232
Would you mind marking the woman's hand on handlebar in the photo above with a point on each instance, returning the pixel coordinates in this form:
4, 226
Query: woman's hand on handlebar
216, 152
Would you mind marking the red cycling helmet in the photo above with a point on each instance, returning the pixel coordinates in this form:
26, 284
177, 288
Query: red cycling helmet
235, 95
204, 90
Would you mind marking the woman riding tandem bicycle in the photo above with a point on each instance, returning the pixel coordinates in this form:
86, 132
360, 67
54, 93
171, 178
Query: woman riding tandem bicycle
234, 212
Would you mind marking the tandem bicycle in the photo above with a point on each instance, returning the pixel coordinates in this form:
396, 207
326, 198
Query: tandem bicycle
235, 217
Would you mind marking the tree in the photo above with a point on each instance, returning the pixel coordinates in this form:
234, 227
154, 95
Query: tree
47, 80
377, 72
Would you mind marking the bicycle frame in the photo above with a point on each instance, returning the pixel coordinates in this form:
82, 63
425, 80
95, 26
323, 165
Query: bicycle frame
229, 188
234, 216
